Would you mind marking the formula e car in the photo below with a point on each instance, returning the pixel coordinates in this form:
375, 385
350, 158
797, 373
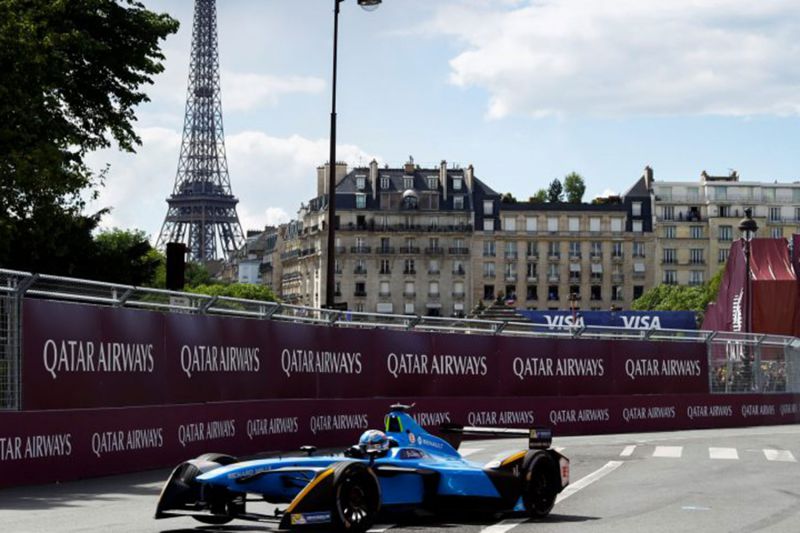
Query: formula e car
404, 469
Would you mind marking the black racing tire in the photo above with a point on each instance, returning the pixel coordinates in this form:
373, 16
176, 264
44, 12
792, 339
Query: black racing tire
540, 486
213, 520
356, 498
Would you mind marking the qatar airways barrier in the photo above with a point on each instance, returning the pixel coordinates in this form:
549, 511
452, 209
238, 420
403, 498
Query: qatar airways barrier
79, 356
109, 390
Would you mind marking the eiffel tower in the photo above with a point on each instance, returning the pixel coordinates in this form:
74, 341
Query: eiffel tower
202, 208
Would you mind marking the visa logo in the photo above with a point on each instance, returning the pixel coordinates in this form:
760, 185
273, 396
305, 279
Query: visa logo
641, 322
563, 321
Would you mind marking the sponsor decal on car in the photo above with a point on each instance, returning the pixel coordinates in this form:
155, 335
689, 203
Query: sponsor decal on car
321, 517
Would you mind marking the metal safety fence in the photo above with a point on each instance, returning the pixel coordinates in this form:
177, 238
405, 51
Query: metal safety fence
738, 362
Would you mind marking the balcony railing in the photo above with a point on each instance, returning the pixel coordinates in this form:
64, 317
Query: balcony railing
384, 250
511, 277
553, 278
619, 258
385, 272
407, 294
409, 271
359, 249
617, 278
554, 257
458, 295
533, 279
436, 250
434, 272
360, 271
511, 255
459, 272
341, 250
359, 293
596, 256
533, 256
409, 249
459, 251
433, 295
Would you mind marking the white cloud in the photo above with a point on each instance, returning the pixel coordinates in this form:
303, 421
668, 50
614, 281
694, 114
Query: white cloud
271, 176
243, 92
628, 57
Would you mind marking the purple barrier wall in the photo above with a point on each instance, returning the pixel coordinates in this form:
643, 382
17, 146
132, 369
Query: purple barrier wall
79, 356
48, 446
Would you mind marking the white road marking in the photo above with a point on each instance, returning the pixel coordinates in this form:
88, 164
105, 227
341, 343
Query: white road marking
572, 488
779, 455
723, 453
465, 452
380, 528
627, 451
668, 451
504, 525
585, 481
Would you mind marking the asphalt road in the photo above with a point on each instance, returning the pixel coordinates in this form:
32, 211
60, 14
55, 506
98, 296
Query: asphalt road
737, 480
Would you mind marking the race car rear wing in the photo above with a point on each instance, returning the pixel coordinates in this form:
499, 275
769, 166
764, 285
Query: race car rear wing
538, 438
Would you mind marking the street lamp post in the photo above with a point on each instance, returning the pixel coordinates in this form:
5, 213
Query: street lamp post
748, 227
330, 278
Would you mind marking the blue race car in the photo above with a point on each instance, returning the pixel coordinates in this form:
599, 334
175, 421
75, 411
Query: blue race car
402, 469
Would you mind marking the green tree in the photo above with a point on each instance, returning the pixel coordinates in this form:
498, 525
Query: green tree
123, 256
680, 297
246, 291
508, 198
540, 197
72, 78
574, 187
555, 192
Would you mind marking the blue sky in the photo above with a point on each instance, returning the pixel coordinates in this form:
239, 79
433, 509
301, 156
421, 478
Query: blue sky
526, 91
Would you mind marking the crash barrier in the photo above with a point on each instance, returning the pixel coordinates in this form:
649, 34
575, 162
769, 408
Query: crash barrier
48, 446
116, 378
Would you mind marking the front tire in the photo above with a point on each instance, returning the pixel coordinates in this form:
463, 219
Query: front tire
540, 486
357, 498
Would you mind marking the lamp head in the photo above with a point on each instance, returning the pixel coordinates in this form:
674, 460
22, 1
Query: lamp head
748, 227
369, 5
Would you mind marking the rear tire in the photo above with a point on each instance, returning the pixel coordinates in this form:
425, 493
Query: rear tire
217, 519
220, 458
213, 520
540, 486
357, 498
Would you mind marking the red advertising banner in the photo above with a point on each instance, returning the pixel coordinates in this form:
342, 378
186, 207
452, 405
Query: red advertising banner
81, 356
50, 446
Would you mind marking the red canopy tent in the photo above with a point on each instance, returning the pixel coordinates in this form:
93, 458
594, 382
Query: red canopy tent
774, 291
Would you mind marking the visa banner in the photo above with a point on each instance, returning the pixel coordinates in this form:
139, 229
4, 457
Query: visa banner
621, 319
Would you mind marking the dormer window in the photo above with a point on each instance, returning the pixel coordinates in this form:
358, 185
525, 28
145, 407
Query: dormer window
433, 182
408, 182
458, 202
384, 182
361, 183
457, 184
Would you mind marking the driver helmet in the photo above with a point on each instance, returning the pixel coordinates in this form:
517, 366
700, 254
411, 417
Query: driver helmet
374, 440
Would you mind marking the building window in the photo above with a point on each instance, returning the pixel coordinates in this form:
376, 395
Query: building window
488, 270
696, 256
669, 232
575, 249
488, 224
384, 289
638, 290
552, 224
408, 267
594, 224
768, 194
408, 182
509, 224
488, 207
637, 226
639, 268
337, 288
433, 266
726, 233
777, 232
596, 293
636, 209
670, 255
361, 201
616, 249
617, 293
722, 255
552, 273
797, 211
457, 184
774, 214
553, 249
361, 183
669, 212
488, 249
488, 292
531, 223
409, 289
670, 277
458, 288
575, 273
511, 271
552, 293
695, 277
597, 249
696, 232
531, 249
458, 202
665, 193
693, 194
532, 271
361, 288
720, 193
511, 250
385, 268
408, 308
532, 292
384, 182
638, 249
360, 307
433, 288
574, 224
616, 224
433, 182
597, 272
458, 267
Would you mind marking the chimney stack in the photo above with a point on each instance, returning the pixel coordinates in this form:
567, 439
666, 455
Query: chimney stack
443, 178
409, 167
648, 177
468, 175
373, 178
